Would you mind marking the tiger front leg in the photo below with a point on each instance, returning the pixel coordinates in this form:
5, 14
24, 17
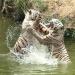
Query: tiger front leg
41, 39
20, 43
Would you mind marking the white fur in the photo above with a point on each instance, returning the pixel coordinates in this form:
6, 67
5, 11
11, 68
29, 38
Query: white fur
28, 18
57, 23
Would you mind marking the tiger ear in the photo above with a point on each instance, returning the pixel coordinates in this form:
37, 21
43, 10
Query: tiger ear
29, 11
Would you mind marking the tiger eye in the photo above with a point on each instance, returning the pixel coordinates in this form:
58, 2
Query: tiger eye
55, 30
62, 28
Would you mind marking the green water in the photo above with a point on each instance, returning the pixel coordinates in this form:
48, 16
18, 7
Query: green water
11, 67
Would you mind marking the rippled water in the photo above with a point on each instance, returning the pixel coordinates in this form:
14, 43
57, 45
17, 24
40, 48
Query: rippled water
8, 65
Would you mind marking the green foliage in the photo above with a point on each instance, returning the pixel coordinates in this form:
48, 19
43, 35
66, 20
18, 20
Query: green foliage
73, 34
22, 4
41, 5
65, 20
70, 33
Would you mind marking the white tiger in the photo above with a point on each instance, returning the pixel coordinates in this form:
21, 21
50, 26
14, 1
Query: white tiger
54, 40
32, 17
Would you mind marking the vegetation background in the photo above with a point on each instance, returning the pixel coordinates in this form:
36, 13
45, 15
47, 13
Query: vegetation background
61, 9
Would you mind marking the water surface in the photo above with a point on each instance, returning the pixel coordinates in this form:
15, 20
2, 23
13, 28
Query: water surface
9, 66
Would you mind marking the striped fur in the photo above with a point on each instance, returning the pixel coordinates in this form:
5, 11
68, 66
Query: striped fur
54, 40
26, 39
61, 54
59, 50
20, 44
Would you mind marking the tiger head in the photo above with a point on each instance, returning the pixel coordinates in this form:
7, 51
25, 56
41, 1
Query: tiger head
33, 15
57, 26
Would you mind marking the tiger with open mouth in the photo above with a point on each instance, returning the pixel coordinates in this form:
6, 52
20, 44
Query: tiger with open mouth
25, 40
54, 40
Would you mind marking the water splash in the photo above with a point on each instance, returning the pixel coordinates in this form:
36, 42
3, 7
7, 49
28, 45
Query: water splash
11, 35
37, 54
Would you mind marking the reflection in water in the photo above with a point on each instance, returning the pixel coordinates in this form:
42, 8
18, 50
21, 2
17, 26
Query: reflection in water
8, 65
